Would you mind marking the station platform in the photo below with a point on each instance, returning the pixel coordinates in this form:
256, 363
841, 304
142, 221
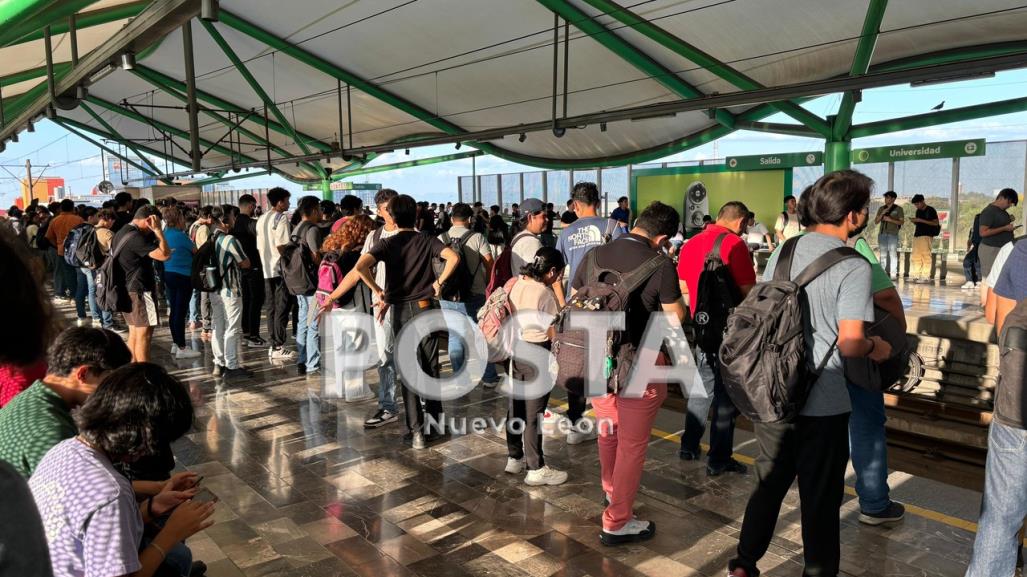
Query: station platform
305, 491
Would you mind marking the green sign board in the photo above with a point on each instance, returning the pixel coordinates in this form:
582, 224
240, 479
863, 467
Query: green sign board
771, 161
340, 185
950, 149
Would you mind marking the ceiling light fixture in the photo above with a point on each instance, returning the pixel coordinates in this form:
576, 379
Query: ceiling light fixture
128, 60
522, 137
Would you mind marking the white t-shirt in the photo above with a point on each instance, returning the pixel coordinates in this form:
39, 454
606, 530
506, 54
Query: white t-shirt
1000, 262
524, 250
379, 270
529, 294
757, 233
788, 230
272, 232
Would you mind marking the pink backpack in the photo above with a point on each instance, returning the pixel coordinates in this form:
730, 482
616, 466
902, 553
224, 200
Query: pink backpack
490, 320
329, 275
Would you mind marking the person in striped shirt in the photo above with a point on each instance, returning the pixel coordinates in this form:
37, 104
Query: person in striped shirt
226, 302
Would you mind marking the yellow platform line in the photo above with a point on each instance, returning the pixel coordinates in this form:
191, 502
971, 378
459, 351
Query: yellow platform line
911, 509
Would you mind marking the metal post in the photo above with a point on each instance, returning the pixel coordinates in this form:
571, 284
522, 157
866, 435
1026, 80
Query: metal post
891, 176
474, 179
73, 38
338, 93
459, 189
545, 187
954, 205
3, 120
48, 48
522, 188
499, 192
28, 174
192, 109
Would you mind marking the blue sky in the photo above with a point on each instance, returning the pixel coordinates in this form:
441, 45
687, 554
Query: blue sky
78, 161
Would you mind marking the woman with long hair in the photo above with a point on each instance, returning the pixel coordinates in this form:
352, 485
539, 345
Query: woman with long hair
178, 280
532, 291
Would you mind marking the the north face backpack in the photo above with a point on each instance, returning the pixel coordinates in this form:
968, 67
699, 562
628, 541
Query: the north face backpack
296, 265
329, 275
89, 252
716, 297
205, 273
764, 360
1011, 391
72, 242
111, 293
501, 268
609, 291
458, 287
491, 317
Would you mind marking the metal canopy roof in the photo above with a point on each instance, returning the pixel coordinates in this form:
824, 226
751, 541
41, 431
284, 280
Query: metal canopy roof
424, 68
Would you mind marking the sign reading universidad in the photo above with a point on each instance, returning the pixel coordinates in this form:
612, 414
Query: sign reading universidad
767, 161
950, 149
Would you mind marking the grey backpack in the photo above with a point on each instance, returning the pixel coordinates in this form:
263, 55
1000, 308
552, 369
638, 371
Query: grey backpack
763, 359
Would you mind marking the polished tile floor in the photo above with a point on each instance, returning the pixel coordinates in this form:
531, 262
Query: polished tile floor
305, 491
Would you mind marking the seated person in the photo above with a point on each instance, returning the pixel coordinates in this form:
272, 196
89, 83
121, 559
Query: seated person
93, 522
40, 416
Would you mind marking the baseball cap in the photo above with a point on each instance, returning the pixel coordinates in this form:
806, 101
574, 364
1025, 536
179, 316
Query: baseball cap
532, 205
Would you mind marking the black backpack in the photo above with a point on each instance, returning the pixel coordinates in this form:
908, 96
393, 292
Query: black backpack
764, 361
716, 297
111, 293
89, 252
296, 265
458, 285
606, 290
74, 240
205, 273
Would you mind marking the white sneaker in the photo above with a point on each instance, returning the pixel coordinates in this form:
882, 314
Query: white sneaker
545, 476
633, 531
514, 466
977, 285
174, 349
967, 285
576, 436
188, 354
282, 354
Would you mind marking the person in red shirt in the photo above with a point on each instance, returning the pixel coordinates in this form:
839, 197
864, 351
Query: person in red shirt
731, 221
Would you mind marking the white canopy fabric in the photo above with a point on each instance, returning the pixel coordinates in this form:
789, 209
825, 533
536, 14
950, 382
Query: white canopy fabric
480, 64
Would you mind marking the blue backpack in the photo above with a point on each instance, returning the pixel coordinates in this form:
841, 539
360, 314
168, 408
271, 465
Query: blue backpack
78, 237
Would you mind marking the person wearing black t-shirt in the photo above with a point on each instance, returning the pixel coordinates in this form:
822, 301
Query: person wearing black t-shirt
927, 227
136, 246
245, 230
996, 228
411, 288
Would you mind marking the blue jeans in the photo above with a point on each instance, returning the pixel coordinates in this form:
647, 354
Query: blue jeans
81, 291
106, 318
308, 339
1003, 508
868, 448
972, 266
179, 558
722, 426
180, 289
194, 307
888, 244
456, 345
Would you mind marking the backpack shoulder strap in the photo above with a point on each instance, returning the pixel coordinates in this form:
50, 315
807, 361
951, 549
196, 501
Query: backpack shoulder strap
824, 262
611, 226
115, 250
635, 278
715, 251
783, 270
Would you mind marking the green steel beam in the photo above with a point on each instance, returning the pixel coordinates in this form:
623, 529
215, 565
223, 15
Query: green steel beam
20, 18
90, 18
217, 179
407, 164
170, 84
953, 55
63, 122
631, 54
256, 138
269, 102
837, 155
33, 73
708, 62
941, 117
860, 65
106, 125
173, 130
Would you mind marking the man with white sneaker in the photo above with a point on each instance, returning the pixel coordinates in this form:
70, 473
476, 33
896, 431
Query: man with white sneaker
272, 235
226, 303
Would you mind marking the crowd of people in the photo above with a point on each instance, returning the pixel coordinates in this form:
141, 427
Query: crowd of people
88, 421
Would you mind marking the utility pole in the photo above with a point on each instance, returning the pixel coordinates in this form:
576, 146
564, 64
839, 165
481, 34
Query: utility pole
28, 180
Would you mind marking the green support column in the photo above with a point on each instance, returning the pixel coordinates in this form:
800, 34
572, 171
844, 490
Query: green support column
837, 155
326, 189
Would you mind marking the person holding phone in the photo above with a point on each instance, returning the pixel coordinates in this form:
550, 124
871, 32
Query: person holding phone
135, 247
996, 228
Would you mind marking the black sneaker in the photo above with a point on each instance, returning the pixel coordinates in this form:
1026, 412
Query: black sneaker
891, 514
254, 342
731, 466
198, 569
218, 370
382, 417
686, 455
633, 531
236, 373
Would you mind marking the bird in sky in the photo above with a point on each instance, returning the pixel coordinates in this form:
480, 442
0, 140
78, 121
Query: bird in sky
940, 106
